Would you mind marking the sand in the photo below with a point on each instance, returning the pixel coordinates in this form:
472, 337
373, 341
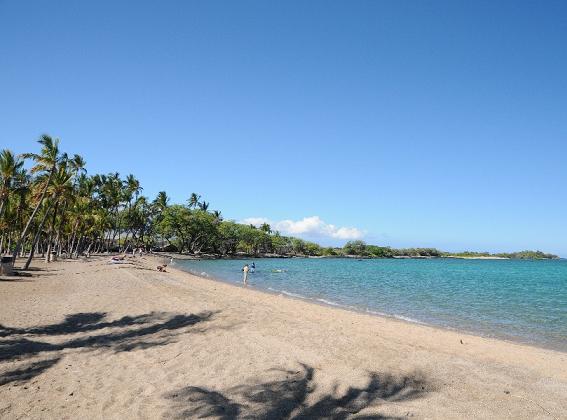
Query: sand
86, 339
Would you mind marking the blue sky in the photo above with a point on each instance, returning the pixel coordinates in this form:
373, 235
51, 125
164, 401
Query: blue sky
414, 123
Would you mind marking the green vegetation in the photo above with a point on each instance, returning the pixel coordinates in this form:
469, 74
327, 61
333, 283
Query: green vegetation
361, 249
55, 209
521, 255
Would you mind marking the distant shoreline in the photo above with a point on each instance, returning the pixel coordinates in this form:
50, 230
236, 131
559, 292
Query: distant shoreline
177, 255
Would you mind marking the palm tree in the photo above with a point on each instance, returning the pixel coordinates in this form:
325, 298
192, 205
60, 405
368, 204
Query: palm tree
61, 190
204, 206
132, 187
112, 194
45, 162
218, 216
82, 209
132, 190
9, 168
159, 205
266, 228
194, 200
161, 201
77, 166
20, 189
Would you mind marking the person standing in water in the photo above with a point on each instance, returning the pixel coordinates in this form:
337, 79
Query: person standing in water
253, 267
245, 270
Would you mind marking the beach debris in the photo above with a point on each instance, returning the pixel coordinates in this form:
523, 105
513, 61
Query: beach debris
462, 342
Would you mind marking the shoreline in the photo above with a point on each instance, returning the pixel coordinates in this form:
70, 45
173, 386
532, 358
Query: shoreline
85, 338
369, 312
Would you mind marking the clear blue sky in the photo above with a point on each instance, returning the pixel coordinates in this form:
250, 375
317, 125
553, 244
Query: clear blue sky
419, 123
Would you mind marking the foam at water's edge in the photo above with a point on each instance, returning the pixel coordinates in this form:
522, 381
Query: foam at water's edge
330, 302
295, 295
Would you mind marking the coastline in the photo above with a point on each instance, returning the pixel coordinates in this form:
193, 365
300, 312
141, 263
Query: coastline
499, 336
351, 257
161, 341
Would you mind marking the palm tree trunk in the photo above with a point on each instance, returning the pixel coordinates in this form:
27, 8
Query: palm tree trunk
2, 208
51, 231
74, 236
28, 224
75, 249
36, 238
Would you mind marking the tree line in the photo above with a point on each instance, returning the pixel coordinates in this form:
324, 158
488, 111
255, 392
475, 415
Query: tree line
360, 248
55, 208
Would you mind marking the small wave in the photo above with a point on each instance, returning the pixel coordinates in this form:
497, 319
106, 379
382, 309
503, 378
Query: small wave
329, 302
376, 313
400, 317
405, 318
295, 295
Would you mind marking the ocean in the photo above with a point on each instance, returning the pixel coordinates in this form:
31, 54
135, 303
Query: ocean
517, 300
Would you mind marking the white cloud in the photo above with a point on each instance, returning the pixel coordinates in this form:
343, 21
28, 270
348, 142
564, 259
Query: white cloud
312, 227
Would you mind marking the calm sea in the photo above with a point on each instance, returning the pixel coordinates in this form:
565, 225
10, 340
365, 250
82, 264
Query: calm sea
517, 300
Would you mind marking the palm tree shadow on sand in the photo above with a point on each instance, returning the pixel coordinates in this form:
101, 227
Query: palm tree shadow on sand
289, 398
122, 335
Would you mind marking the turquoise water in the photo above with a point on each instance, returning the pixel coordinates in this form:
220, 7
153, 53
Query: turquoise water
512, 299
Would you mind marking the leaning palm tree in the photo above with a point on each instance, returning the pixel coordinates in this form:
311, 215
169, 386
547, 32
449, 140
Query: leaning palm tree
9, 167
45, 162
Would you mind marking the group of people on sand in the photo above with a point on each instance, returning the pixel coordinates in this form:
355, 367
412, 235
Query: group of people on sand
116, 259
161, 268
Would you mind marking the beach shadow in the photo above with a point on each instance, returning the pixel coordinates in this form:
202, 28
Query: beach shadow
29, 371
37, 269
139, 267
78, 323
287, 398
154, 329
17, 279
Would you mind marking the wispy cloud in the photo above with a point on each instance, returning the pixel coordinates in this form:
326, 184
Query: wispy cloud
309, 227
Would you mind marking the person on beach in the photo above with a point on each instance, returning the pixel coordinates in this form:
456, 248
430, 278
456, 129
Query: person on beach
161, 268
245, 270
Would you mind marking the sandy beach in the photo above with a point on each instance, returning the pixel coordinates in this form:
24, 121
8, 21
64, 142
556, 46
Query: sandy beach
88, 339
